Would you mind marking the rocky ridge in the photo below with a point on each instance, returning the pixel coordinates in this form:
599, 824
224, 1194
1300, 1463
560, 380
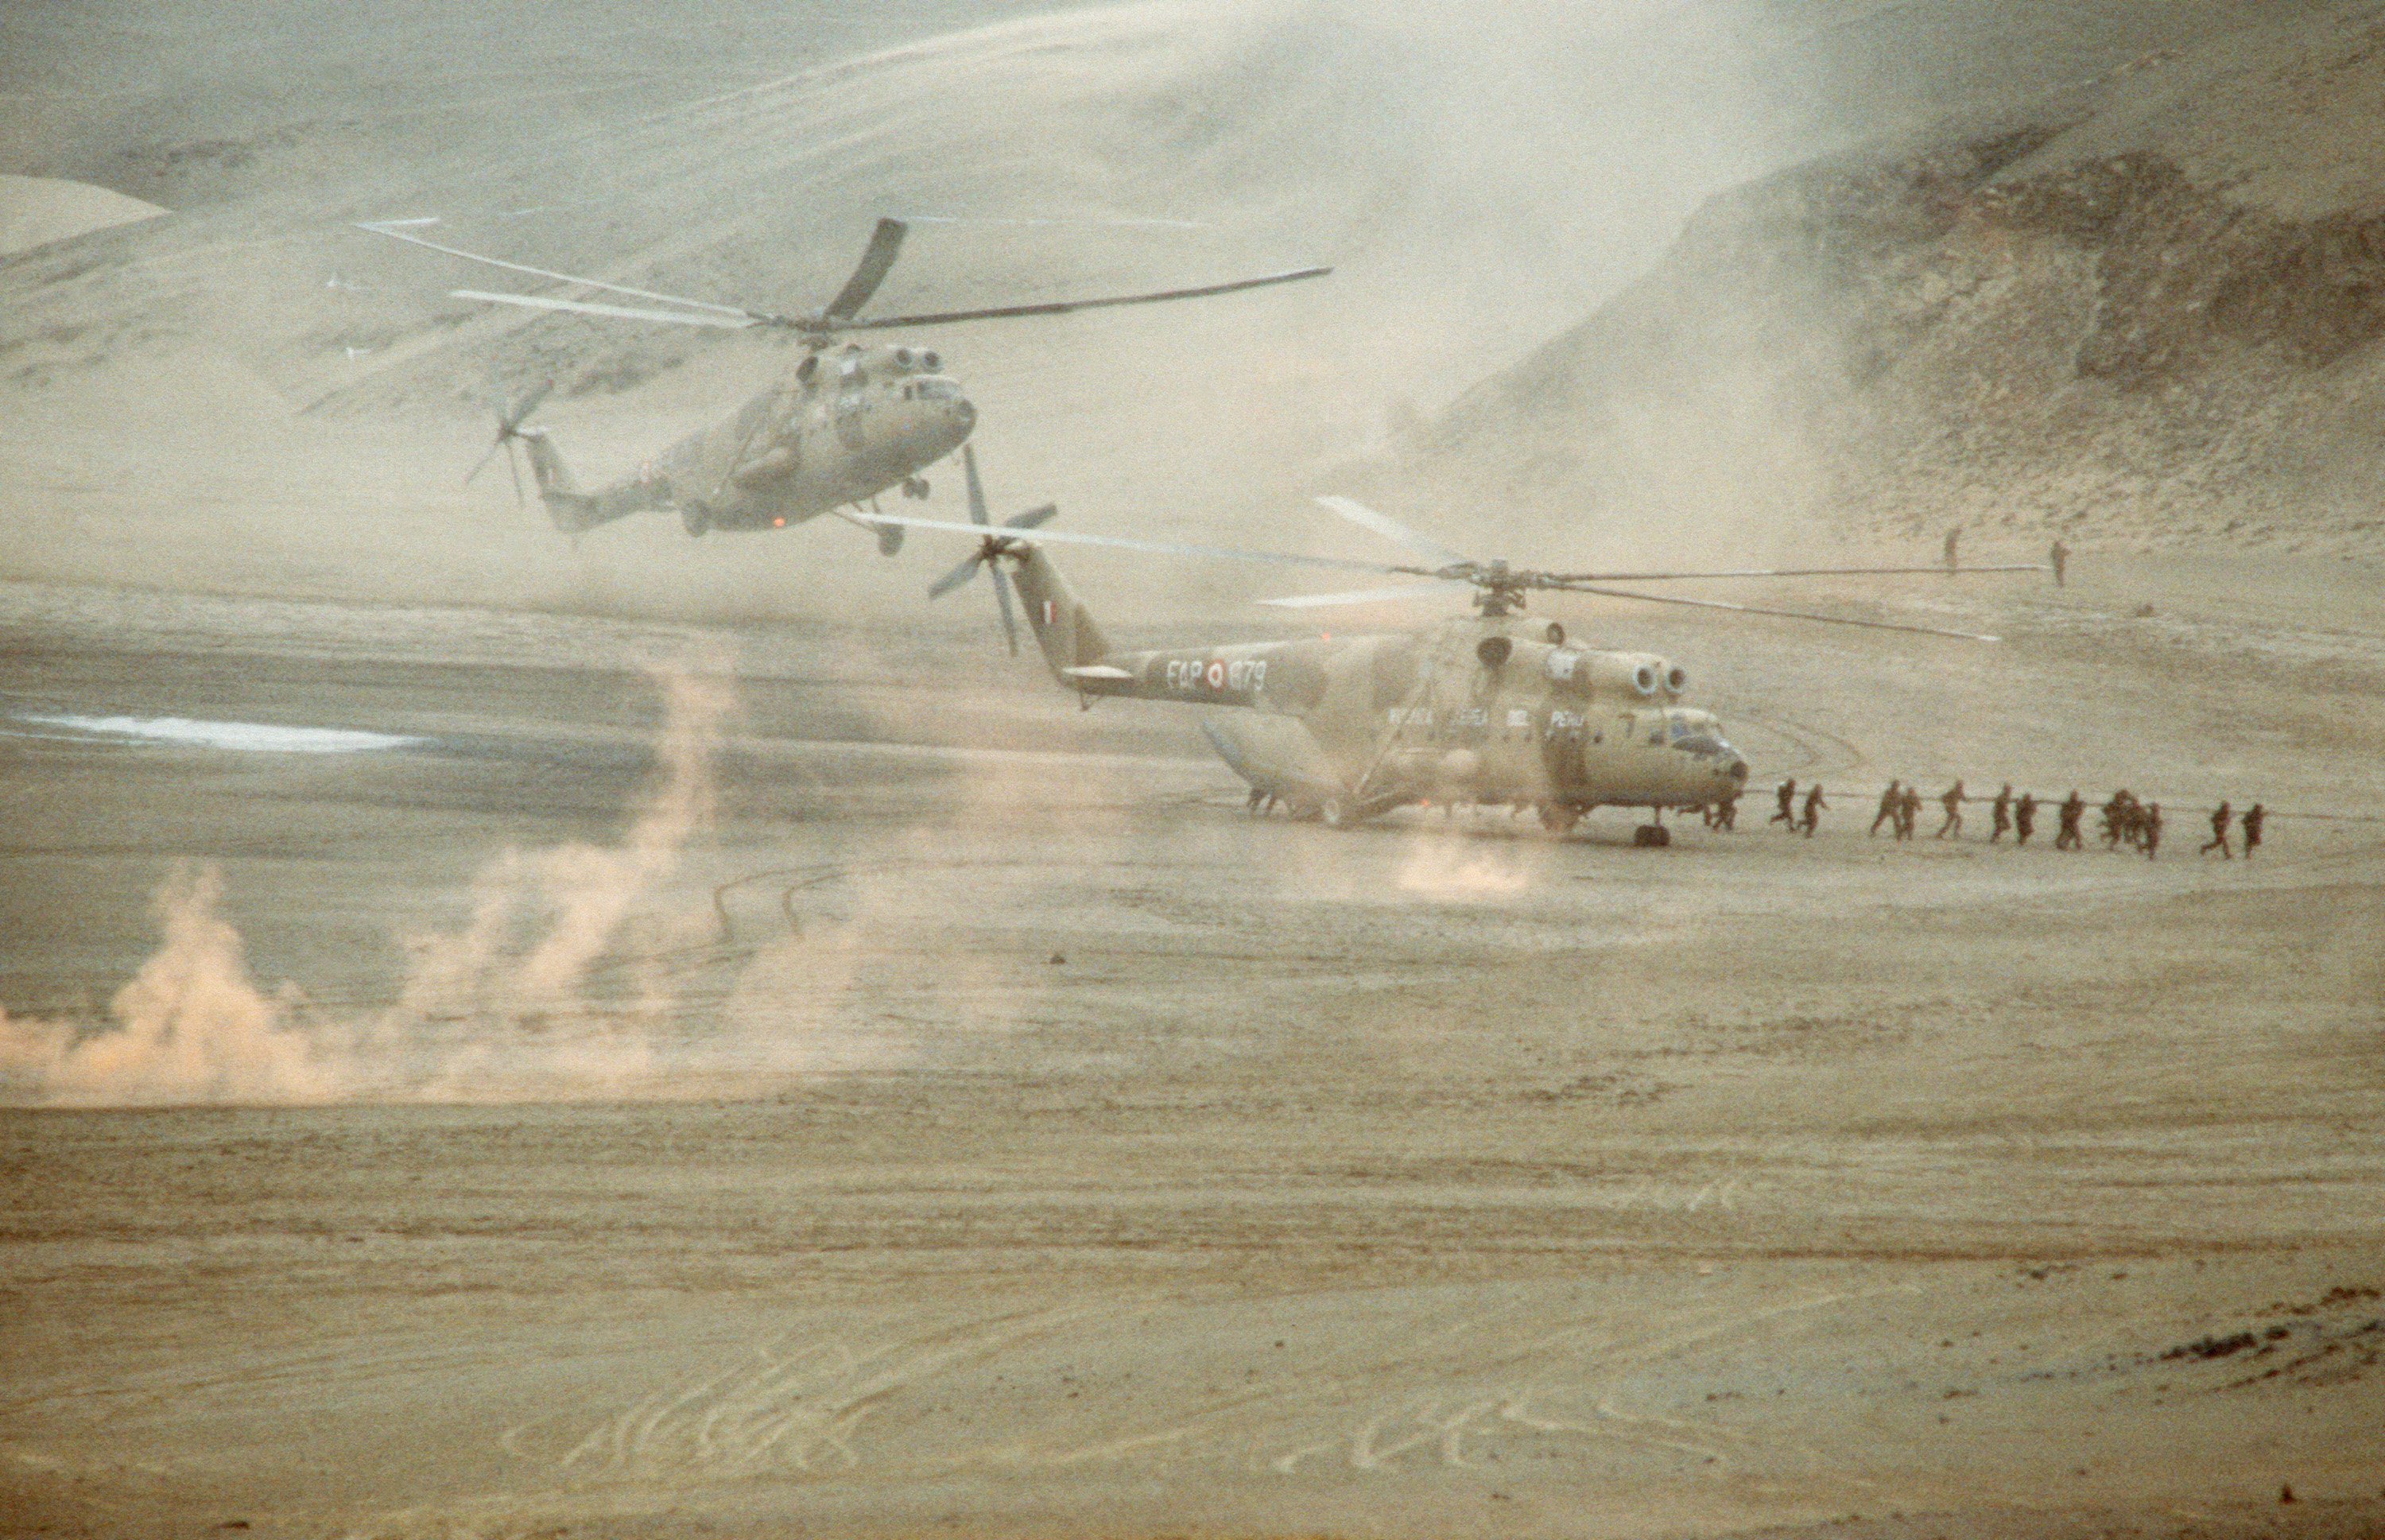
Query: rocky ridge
2097, 316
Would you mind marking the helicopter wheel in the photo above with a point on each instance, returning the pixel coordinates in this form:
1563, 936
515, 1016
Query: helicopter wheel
696, 517
916, 488
1558, 818
1652, 836
1337, 813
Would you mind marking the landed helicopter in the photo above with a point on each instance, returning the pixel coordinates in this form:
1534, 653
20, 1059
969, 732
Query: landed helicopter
850, 422
1487, 709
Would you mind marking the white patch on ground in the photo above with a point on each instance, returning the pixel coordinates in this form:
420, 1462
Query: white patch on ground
250, 737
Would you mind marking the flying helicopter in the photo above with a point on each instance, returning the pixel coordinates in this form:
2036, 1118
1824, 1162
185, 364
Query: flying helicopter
850, 422
1486, 709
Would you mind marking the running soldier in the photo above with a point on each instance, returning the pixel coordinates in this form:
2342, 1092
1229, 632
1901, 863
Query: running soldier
1953, 802
1814, 805
2003, 814
1907, 811
1787, 798
2149, 829
2251, 822
2074, 807
2219, 833
2119, 819
1890, 801
2025, 818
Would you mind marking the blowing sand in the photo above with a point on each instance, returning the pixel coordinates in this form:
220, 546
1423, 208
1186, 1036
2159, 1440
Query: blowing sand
904, 1103
654, 1038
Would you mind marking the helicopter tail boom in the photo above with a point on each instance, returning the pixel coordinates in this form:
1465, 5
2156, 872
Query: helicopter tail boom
1073, 644
573, 510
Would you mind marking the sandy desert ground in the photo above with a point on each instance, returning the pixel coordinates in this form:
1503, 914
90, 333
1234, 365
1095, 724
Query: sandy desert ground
892, 1102
653, 1038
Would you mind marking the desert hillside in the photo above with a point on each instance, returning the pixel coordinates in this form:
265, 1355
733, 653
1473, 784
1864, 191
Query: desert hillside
2142, 311
2122, 292
255, 394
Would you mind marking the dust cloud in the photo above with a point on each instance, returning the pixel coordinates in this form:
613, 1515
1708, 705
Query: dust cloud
254, 396
1202, 1172
504, 1007
190, 1027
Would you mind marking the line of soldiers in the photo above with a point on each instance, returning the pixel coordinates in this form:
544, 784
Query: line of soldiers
2124, 819
1798, 822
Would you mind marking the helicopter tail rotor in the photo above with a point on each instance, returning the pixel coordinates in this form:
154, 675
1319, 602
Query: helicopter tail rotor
989, 547
509, 429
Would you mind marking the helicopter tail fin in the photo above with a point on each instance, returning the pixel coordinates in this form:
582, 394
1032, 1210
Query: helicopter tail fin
1072, 643
572, 509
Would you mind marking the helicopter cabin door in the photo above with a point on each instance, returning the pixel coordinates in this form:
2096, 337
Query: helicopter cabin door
852, 400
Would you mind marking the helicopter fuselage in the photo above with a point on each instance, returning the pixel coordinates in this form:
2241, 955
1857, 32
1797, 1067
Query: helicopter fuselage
852, 422
849, 423
1490, 709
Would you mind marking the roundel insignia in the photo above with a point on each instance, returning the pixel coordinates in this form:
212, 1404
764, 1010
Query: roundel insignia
1217, 674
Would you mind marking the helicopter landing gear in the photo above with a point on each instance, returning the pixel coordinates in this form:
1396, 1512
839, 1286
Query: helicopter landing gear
696, 517
1652, 836
914, 488
1337, 812
1559, 819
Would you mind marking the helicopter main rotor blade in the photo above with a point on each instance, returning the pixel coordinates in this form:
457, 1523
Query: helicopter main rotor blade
1009, 616
885, 242
1390, 529
1062, 307
976, 487
1758, 609
748, 318
1372, 595
621, 312
1161, 548
1792, 572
